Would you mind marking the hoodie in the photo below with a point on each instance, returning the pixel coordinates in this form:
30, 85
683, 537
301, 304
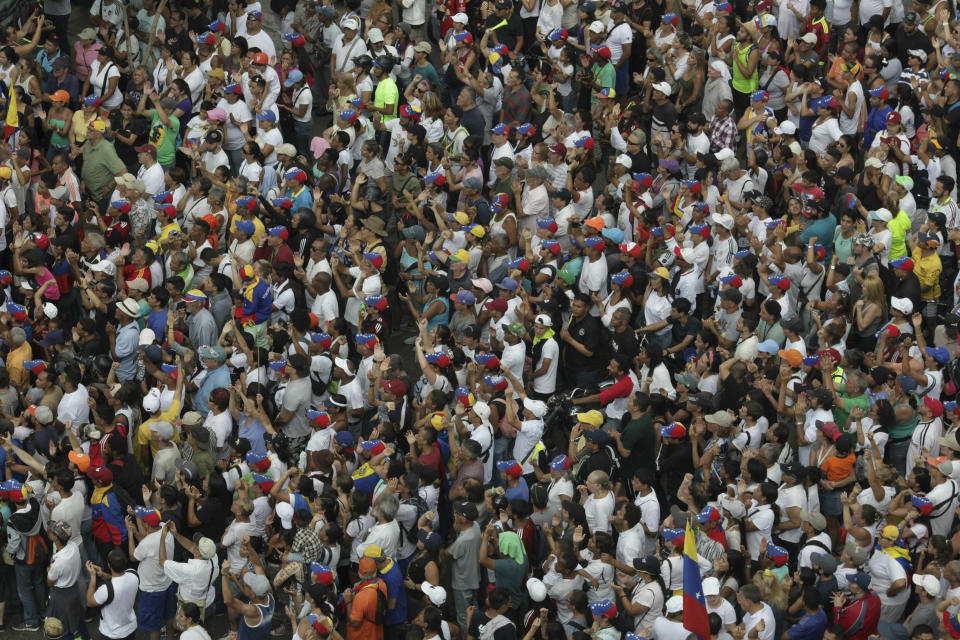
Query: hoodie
25, 522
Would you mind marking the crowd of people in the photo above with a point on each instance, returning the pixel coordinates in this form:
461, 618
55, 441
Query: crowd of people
457, 320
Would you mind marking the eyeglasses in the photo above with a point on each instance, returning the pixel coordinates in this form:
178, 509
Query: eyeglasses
316, 248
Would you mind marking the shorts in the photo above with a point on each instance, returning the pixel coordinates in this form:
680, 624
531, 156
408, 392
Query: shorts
156, 607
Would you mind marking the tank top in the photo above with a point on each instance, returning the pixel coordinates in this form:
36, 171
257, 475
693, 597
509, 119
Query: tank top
441, 318
262, 629
56, 139
742, 83
902, 430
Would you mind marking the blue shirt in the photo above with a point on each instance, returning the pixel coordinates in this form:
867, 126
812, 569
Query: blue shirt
876, 122
519, 492
822, 230
253, 431
218, 378
303, 200
810, 627
157, 320
128, 338
393, 578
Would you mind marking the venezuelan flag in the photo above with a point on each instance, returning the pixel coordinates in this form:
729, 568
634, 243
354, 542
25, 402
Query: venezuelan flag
694, 605
13, 118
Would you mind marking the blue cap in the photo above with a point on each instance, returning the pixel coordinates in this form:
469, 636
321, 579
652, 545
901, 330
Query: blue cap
246, 226
293, 77
509, 284
940, 354
267, 116
909, 384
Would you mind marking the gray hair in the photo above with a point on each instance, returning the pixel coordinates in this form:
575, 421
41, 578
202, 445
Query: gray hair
217, 194
96, 239
770, 451
389, 504
18, 336
501, 240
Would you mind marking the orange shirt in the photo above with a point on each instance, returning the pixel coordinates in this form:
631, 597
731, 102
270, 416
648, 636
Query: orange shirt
838, 468
19, 377
364, 610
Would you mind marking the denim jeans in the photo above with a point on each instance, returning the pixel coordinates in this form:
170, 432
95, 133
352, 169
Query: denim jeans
32, 589
302, 132
462, 600
892, 630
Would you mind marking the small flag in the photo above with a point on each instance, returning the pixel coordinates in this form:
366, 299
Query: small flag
695, 618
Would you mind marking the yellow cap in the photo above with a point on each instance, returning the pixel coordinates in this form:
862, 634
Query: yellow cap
5, 173
478, 231
890, 532
437, 421
98, 125
661, 272
461, 217
373, 551
461, 255
592, 417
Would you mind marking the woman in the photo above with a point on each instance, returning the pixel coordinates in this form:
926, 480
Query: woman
85, 49
869, 314
219, 420
690, 76
423, 570
58, 123
104, 80
775, 80
647, 597
128, 130
436, 306
432, 117
844, 235
28, 80
599, 504
657, 304
559, 483
252, 166
162, 75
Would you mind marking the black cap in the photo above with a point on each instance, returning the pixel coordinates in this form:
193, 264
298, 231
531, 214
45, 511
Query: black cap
467, 509
794, 469
845, 174
649, 564
214, 136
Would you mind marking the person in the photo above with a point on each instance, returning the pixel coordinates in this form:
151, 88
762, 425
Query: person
115, 592
363, 601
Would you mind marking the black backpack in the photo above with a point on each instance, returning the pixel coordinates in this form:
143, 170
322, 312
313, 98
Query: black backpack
422, 508
382, 606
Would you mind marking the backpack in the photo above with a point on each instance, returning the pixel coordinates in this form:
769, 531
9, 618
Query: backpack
38, 551
381, 615
110, 593
421, 507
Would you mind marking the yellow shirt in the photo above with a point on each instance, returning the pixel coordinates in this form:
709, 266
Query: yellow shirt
142, 436
19, 377
928, 271
80, 124
167, 230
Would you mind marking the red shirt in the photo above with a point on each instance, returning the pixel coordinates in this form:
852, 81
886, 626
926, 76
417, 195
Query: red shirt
433, 458
859, 618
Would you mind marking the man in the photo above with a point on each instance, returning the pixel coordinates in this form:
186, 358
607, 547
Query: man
117, 616
124, 342
252, 30
101, 164
157, 604
256, 615
150, 173
24, 522
533, 203
364, 604
238, 120
194, 577
471, 118
509, 34
516, 100
858, 617
67, 190
723, 128
493, 621
546, 358
758, 617
580, 342
392, 576
62, 80
464, 551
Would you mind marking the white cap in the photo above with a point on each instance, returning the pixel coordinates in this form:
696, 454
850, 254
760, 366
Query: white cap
597, 27
724, 153
624, 160
151, 402
711, 587
460, 18
343, 364
795, 148
785, 128
536, 590
374, 36
351, 23
725, 220
207, 548
482, 409
687, 255
881, 214
147, 336
544, 319
675, 604
903, 305
285, 513
809, 38
50, 310
105, 266
873, 162
536, 407
436, 594
734, 506
929, 583
662, 87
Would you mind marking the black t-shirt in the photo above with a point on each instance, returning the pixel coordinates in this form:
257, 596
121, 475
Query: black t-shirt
625, 343
681, 331
732, 393
915, 40
587, 332
640, 437
213, 516
480, 618
472, 121
953, 120
508, 33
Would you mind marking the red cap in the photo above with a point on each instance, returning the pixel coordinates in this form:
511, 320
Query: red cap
497, 304
100, 475
396, 387
260, 58
935, 406
893, 117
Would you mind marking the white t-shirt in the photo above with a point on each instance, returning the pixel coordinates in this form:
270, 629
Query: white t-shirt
119, 618
241, 113
547, 383
193, 577
303, 96
762, 516
65, 566
598, 512
795, 496
147, 553
527, 438
750, 620
100, 81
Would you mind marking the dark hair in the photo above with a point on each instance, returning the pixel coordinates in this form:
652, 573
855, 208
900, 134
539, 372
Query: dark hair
117, 560
498, 597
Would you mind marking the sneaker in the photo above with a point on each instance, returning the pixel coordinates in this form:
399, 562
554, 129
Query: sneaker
26, 627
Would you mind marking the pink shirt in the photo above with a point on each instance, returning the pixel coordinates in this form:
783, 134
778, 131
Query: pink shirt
53, 291
85, 59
